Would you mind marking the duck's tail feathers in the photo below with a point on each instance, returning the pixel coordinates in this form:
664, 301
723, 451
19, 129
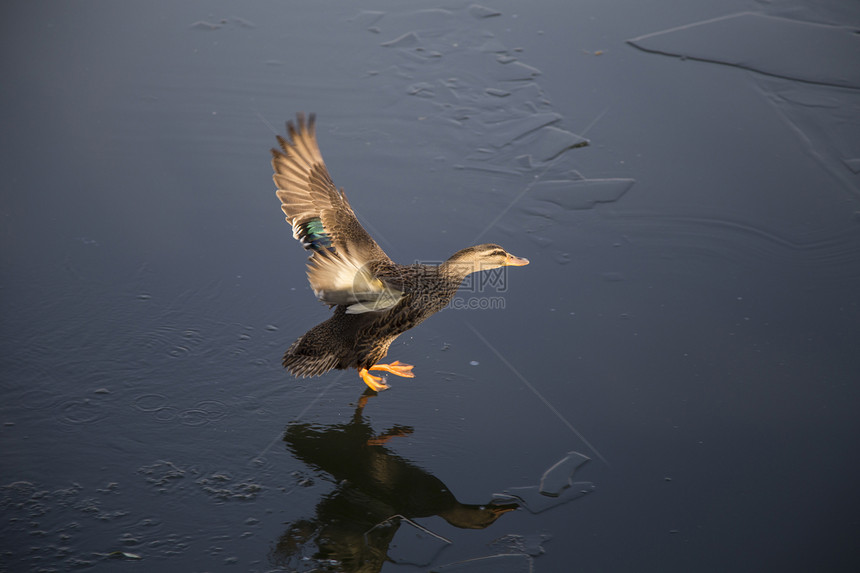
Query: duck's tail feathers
303, 365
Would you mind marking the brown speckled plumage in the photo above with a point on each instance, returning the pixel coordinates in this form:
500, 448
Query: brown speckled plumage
375, 299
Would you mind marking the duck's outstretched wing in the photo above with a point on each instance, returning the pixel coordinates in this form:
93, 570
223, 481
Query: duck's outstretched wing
344, 255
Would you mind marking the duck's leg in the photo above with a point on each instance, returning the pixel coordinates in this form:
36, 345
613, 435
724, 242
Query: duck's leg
397, 368
374, 382
395, 432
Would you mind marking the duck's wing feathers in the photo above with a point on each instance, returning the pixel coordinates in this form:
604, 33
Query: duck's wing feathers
340, 269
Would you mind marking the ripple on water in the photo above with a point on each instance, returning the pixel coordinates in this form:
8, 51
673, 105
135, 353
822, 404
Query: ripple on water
150, 402
178, 351
166, 414
193, 417
66, 521
224, 487
38, 399
204, 412
531, 544
172, 341
82, 411
214, 409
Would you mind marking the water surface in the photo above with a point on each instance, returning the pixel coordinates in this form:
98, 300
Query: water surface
671, 384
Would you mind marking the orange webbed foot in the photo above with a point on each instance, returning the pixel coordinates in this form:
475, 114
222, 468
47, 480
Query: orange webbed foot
374, 382
397, 368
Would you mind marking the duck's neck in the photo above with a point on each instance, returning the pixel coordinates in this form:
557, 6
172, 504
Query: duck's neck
457, 269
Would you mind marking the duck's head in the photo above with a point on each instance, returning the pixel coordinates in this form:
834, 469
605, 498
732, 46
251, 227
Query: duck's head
482, 258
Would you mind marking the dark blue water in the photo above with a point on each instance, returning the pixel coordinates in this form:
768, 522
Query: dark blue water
670, 385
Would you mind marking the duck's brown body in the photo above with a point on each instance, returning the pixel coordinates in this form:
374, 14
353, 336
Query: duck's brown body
361, 340
375, 299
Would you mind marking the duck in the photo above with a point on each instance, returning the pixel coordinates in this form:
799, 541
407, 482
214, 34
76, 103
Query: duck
374, 299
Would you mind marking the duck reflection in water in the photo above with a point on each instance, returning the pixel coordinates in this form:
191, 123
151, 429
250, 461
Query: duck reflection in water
374, 485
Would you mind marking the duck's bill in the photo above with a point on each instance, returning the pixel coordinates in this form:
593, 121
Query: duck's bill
513, 261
